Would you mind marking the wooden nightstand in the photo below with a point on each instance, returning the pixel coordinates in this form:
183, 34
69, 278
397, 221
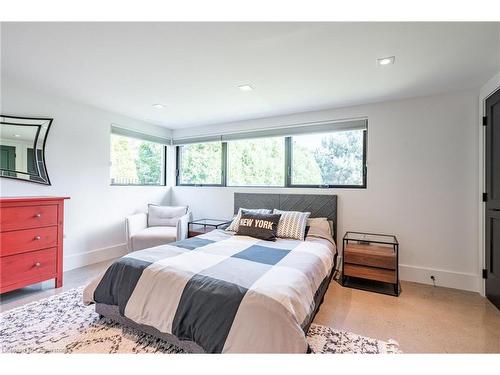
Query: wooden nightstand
202, 226
370, 262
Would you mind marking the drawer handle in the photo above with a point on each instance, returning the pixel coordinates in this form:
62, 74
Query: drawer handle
38, 238
38, 215
38, 264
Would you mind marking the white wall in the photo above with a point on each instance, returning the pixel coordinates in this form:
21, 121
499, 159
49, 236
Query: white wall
422, 183
423, 168
78, 155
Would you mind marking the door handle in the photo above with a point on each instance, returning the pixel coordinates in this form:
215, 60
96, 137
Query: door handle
38, 238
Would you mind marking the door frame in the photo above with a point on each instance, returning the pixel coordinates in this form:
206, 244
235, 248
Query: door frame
485, 92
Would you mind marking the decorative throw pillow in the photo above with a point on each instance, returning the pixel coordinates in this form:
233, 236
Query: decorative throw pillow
233, 227
292, 224
165, 216
263, 226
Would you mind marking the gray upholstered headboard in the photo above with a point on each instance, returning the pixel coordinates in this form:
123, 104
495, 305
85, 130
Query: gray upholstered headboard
318, 205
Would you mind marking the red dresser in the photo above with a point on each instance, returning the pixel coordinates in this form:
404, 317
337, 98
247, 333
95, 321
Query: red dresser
31, 241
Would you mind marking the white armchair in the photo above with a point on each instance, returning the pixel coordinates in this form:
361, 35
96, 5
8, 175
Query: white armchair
143, 233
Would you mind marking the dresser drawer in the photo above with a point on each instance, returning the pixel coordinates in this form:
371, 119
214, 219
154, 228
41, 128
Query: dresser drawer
34, 266
22, 241
24, 217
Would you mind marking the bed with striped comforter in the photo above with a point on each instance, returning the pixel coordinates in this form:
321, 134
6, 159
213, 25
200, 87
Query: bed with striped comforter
226, 293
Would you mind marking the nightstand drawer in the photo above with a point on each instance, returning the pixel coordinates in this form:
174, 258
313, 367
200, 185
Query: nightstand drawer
370, 273
371, 255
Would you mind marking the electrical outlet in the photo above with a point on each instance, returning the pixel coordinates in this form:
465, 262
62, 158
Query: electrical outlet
433, 278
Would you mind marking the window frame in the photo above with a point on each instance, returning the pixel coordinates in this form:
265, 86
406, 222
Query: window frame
164, 166
226, 173
178, 161
287, 183
289, 161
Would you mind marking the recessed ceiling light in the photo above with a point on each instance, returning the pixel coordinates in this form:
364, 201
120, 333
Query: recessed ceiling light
245, 88
17, 135
158, 106
386, 60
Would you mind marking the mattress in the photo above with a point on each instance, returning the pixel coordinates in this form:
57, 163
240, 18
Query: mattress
219, 292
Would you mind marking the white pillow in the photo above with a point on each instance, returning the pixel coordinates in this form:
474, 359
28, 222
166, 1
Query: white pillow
292, 224
235, 224
314, 220
165, 216
320, 222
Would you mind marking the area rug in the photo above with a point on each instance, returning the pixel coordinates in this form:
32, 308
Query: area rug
63, 324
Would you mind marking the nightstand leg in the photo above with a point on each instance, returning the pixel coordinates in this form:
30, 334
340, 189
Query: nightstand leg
396, 289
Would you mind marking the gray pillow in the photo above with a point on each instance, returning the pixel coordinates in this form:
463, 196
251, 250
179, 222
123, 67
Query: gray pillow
165, 216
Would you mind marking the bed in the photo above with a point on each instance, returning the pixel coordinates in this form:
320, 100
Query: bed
223, 293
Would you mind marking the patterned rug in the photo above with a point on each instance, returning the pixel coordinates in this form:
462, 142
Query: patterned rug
62, 324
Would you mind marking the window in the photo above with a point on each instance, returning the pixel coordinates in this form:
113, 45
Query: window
323, 155
256, 162
136, 162
199, 164
333, 159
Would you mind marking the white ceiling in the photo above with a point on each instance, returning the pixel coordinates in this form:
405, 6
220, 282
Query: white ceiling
195, 68
17, 133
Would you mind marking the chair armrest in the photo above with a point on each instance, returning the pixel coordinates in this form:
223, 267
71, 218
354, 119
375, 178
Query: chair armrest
134, 224
182, 226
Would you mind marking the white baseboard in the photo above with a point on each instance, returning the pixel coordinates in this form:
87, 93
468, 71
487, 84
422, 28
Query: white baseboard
448, 279
73, 261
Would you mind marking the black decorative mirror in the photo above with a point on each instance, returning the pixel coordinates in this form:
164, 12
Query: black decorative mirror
22, 148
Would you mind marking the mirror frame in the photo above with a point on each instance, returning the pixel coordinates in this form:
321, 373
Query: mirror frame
4, 119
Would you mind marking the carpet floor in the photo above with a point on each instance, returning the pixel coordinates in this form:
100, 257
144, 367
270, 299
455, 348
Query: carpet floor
63, 324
